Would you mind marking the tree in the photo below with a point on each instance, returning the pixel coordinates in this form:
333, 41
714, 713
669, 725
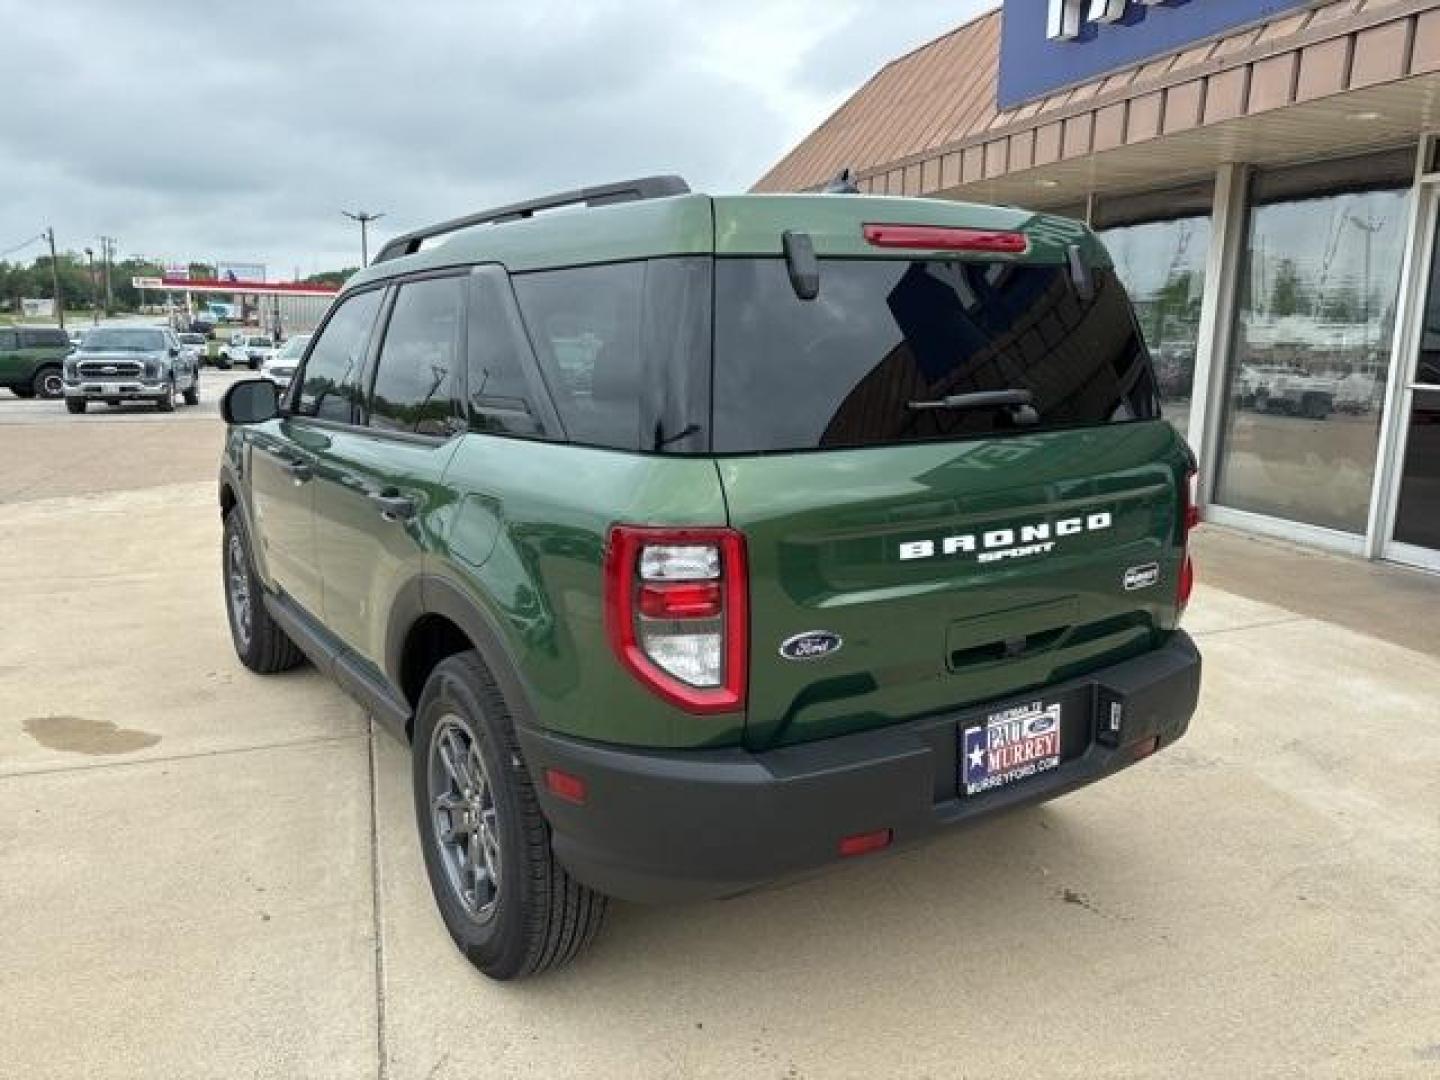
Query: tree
332, 277
1288, 293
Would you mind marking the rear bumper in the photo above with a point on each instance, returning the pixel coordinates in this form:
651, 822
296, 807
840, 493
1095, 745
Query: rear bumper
683, 825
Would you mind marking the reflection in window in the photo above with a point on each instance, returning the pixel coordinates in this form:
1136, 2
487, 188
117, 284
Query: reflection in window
417, 360
585, 325
1162, 264
330, 383
1310, 357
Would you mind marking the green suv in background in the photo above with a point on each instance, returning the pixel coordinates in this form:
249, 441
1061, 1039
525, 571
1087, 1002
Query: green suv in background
32, 360
695, 542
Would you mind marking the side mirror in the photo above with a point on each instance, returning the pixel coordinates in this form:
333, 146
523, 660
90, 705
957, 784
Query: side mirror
250, 401
174, 352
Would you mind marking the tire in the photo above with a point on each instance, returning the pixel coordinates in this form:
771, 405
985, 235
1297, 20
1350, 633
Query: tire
167, 403
48, 384
192, 396
537, 917
75, 405
259, 642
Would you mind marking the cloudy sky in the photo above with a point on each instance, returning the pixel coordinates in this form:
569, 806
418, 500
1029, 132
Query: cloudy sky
239, 131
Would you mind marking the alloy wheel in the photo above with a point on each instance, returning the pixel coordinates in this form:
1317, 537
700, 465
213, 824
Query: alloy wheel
465, 817
238, 575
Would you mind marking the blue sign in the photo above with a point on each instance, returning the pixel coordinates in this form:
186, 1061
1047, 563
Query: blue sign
1049, 44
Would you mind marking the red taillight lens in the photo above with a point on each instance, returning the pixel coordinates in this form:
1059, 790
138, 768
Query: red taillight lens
1189, 518
681, 600
943, 238
676, 613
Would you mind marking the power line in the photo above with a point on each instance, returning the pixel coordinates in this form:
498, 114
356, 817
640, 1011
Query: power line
33, 240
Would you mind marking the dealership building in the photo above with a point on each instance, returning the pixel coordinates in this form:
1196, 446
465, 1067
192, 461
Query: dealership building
1266, 176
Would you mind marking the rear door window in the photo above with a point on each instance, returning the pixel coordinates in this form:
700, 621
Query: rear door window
849, 367
502, 398
330, 388
415, 375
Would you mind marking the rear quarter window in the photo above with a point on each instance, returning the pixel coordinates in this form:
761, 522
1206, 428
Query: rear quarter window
844, 369
585, 326
624, 349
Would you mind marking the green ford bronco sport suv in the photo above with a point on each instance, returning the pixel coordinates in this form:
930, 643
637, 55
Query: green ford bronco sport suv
32, 360
696, 542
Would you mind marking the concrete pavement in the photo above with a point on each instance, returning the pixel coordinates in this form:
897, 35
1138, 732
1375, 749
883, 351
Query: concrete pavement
207, 873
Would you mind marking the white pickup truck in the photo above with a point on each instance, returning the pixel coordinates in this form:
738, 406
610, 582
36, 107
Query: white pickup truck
249, 349
1283, 388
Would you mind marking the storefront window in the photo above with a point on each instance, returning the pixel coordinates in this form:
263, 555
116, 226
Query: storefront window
1311, 350
1162, 264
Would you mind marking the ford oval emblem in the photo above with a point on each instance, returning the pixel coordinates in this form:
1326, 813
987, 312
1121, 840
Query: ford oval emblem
1039, 725
811, 645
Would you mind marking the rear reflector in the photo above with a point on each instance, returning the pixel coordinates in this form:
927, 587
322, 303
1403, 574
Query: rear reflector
1145, 747
866, 842
942, 238
565, 786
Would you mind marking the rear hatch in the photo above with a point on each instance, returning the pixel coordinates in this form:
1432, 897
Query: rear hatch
910, 554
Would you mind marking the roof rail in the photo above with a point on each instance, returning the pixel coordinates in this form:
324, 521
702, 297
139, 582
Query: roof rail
646, 187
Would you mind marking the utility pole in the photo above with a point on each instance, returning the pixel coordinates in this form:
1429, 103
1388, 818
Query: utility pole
107, 251
94, 289
364, 217
55, 278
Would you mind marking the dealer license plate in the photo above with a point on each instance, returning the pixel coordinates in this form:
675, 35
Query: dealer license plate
1010, 745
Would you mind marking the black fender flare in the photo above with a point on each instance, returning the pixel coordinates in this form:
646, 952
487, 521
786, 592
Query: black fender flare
429, 594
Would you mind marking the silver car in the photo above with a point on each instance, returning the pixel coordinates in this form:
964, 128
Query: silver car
131, 363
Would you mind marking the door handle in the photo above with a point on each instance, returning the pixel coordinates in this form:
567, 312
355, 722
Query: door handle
393, 506
299, 471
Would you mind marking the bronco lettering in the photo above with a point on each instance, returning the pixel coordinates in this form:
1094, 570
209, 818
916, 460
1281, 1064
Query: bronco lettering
996, 544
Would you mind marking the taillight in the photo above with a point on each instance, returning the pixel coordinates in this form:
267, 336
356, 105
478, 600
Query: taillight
946, 238
1189, 518
675, 611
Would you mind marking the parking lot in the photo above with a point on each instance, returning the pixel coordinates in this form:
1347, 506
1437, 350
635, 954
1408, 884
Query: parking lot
208, 873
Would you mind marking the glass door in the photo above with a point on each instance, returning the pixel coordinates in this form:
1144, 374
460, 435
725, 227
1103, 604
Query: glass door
1415, 530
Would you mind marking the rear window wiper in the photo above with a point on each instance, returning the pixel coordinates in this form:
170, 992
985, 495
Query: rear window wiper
1019, 402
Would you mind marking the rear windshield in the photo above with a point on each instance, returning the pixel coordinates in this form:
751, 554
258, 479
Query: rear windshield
850, 367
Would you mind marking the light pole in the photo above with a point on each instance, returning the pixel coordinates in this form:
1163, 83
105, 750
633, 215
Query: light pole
364, 217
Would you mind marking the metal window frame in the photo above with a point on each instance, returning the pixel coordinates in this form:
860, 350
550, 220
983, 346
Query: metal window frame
1217, 322
1420, 250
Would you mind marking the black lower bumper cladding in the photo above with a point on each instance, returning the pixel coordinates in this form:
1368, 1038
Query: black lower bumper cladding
660, 825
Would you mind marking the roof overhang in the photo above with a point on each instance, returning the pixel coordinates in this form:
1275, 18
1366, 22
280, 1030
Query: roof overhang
1325, 81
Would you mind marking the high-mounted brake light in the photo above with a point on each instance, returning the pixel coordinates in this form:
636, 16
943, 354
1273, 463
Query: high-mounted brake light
1189, 518
676, 613
945, 238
